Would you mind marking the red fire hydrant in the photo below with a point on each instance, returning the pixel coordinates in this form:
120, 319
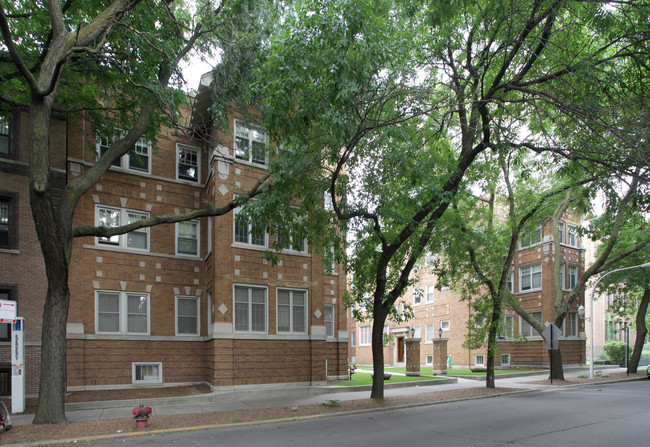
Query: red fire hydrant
141, 415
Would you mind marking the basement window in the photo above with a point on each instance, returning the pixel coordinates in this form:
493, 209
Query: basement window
147, 372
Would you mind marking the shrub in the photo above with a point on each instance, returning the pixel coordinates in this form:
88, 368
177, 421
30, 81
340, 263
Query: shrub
615, 352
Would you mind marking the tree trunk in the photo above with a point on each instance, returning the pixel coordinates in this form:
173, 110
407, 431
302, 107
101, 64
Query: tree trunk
492, 342
556, 369
378, 358
641, 332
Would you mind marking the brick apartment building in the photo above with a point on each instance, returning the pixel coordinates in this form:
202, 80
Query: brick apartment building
185, 303
440, 308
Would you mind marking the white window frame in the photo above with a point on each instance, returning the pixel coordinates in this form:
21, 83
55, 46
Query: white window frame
572, 276
511, 281
123, 312
134, 367
365, 336
430, 293
249, 309
531, 239
561, 228
429, 333
532, 273
417, 296
479, 359
428, 360
198, 315
571, 330
353, 339
329, 308
508, 328
124, 162
572, 236
445, 325
197, 166
122, 239
417, 333
524, 324
249, 233
507, 361
240, 128
290, 248
292, 311
197, 224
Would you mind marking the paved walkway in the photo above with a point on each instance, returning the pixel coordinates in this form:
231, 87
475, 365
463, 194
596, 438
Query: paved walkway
283, 398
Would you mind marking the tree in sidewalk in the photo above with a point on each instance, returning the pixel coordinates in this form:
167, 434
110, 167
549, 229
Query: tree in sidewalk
115, 63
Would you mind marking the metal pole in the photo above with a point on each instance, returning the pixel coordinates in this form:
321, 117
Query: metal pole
591, 315
627, 350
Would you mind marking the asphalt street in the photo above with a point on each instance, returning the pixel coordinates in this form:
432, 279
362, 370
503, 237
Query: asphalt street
613, 414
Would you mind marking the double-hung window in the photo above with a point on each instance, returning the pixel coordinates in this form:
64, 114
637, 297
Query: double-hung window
121, 313
571, 324
188, 163
295, 243
364, 336
560, 231
8, 220
572, 276
247, 232
526, 329
114, 217
572, 238
5, 126
511, 281
328, 319
530, 277
250, 309
506, 328
292, 311
187, 315
250, 143
531, 237
137, 159
417, 295
428, 332
187, 238
429, 293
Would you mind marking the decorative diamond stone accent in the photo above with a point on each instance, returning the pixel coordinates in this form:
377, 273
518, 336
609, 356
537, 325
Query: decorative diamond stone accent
223, 189
318, 314
222, 308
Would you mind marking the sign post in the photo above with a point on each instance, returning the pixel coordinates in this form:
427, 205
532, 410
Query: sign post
18, 366
552, 335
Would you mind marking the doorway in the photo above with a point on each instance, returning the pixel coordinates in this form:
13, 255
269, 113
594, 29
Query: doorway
400, 349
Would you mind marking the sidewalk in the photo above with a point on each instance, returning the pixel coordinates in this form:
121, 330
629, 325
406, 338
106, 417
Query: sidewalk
89, 411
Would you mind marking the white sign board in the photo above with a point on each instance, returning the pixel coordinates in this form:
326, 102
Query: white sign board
552, 334
18, 366
7, 311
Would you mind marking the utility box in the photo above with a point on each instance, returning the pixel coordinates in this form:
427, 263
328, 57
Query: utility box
18, 366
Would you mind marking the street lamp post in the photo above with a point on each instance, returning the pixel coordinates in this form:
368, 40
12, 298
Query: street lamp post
591, 314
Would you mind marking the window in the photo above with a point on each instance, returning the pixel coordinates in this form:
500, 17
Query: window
429, 296
250, 143
188, 163
572, 277
295, 242
353, 339
560, 231
210, 234
505, 359
571, 325
572, 238
562, 275
530, 277
479, 360
328, 319
364, 336
247, 232
137, 159
428, 259
5, 126
6, 293
187, 238
428, 332
292, 311
443, 284
115, 217
147, 372
417, 295
429, 360
187, 315
511, 281
121, 313
329, 261
526, 329
417, 333
444, 325
210, 312
506, 329
8, 220
250, 309
531, 238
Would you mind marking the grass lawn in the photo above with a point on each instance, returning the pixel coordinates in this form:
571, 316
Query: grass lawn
361, 378
458, 372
